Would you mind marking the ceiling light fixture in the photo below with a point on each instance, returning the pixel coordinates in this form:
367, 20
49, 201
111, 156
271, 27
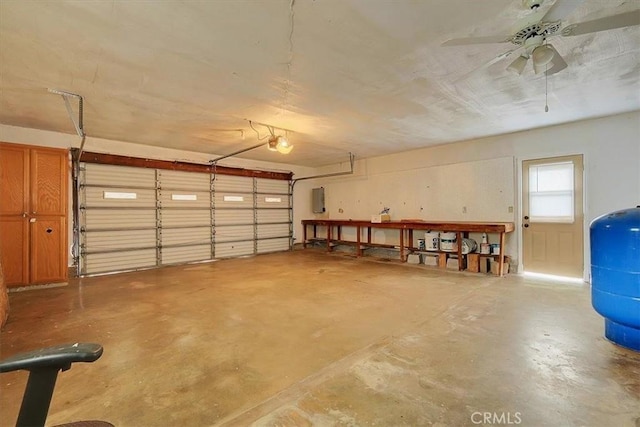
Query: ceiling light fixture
542, 55
518, 65
279, 144
275, 142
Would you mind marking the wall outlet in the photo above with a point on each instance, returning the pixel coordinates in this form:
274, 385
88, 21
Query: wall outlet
510, 209
464, 209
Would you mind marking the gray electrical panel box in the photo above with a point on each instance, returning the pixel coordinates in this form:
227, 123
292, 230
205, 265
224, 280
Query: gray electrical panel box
317, 197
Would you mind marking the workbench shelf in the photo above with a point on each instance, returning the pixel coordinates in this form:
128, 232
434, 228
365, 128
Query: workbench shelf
406, 229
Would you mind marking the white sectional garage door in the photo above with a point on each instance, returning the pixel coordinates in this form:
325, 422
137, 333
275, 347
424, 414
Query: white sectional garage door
184, 212
273, 220
133, 218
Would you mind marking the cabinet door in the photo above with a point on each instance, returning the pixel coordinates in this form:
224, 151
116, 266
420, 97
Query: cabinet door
14, 250
14, 179
48, 182
48, 244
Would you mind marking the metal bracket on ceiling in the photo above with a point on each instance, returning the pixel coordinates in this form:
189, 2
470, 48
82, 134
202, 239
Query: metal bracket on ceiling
79, 123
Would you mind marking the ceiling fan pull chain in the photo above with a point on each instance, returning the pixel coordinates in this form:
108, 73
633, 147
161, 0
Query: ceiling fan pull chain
546, 89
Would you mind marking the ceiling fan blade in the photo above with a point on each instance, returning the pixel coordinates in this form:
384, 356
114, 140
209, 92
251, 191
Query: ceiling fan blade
487, 64
560, 10
626, 19
557, 63
476, 40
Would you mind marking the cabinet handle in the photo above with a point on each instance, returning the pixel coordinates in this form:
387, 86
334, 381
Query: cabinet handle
24, 214
33, 213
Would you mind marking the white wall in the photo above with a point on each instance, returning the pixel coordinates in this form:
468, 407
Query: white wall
610, 146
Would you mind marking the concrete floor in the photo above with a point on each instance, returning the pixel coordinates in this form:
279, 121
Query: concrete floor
308, 338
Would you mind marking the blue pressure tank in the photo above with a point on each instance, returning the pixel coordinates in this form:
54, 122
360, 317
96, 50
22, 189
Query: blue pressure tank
615, 275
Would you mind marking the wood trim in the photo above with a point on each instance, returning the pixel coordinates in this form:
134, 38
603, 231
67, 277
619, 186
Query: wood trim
113, 159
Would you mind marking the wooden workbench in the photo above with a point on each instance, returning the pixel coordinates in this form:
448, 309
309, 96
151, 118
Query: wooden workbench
462, 229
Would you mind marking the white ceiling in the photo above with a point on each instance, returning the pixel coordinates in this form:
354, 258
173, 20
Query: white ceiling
366, 76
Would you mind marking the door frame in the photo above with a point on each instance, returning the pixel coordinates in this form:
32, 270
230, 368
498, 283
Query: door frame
586, 275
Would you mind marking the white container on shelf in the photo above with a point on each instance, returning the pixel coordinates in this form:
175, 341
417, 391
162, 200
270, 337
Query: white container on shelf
448, 242
468, 246
432, 240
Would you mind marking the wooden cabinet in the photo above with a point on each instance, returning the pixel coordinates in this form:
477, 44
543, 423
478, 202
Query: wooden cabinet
33, 214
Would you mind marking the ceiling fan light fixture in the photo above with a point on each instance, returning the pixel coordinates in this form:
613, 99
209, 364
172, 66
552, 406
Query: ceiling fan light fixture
517, 66
542, 55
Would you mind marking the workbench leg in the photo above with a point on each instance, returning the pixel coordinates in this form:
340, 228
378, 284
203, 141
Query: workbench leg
501, 257
459, 245
304, 234
402, 245
358, 247
328, 238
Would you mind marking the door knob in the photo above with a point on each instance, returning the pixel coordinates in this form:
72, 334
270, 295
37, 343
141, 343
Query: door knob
525, 217
526, 226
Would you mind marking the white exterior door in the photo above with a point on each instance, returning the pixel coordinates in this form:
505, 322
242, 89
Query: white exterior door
553, 218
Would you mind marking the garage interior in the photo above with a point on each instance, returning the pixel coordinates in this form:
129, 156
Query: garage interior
158, 160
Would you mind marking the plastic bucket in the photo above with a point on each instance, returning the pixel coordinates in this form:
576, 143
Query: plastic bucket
432, 240
448, 242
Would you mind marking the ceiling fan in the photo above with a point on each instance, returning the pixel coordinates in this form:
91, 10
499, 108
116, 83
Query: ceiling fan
531, 34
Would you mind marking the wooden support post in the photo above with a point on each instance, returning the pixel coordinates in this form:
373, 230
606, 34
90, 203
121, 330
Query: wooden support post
473, 263
442, 260
304, 234
501, 257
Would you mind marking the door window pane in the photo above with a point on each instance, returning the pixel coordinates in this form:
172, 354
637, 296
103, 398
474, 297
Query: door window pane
551, 192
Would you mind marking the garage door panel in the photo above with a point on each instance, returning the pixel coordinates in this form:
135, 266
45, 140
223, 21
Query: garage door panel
172, 213
229, 183
273, 215
120, 261
273, 245
177, 180
186, 254
271, 201
233, 249
233, 232
233, 200
185, 199
186, 236
233, 216
97, 241
118, 176
113, 197
97, 219
185, 218
275, 186
273, 230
